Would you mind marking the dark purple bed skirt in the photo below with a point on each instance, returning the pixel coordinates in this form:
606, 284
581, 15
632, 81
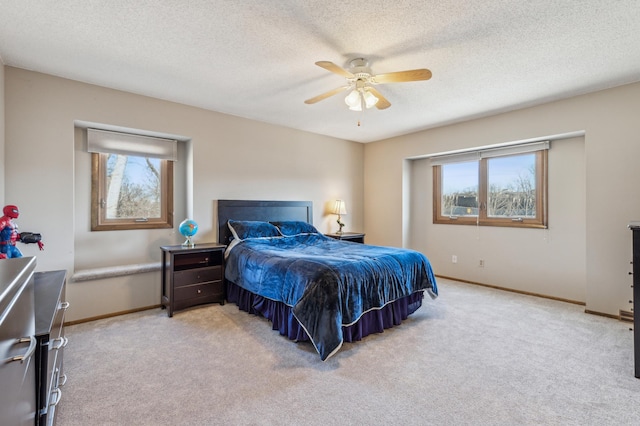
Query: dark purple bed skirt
374, 321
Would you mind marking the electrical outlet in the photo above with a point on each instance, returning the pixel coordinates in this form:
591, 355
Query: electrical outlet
481, 263
454, 259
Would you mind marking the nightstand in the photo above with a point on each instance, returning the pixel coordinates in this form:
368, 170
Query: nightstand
192, 276
355, 237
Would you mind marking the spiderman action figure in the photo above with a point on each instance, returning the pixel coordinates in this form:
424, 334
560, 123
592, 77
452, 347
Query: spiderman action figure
9, 234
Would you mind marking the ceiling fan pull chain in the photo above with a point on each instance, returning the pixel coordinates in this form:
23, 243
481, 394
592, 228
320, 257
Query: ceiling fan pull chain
362, 107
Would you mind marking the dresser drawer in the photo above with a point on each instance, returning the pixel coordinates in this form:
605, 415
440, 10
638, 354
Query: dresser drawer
214, 290
54, 361
58, 320
51, 306
194, 276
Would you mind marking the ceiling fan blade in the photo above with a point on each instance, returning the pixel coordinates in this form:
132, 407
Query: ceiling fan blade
330, 66
326, 95
402, 76
382, 103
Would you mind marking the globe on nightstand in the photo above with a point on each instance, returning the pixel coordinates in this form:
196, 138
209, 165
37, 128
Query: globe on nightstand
188, 228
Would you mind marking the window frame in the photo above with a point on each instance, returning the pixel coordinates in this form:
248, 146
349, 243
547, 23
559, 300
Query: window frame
99, 222
541, 219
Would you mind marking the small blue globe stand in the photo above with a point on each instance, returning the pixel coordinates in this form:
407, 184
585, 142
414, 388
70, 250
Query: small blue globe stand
188, 242
188, 228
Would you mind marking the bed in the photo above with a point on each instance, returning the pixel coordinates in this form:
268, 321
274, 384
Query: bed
312, 287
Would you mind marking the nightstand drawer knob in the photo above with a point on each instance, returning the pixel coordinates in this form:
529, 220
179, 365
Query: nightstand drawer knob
199, 291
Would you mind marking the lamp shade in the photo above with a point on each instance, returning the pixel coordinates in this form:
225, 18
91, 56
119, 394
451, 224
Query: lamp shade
340, 208
358, 97
369, 99
353, 99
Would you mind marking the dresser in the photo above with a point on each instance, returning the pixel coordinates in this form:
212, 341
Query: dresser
192, 276
17, 342
635, 228
50, 307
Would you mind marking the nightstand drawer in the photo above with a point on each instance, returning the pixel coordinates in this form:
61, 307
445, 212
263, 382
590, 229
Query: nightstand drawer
194, 276
209, 290
197, 260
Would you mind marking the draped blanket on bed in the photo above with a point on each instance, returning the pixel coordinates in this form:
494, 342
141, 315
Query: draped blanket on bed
328, 283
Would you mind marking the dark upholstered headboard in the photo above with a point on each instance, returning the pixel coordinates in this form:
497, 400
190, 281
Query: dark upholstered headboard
267, 211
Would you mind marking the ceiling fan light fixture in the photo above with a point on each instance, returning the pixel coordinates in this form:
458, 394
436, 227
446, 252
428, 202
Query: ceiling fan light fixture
353, 100
369, 99
359, 98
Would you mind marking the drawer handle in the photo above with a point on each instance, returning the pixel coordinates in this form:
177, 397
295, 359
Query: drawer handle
199, 291
30, 350
62, 342
62, 380
58, 394
64, 305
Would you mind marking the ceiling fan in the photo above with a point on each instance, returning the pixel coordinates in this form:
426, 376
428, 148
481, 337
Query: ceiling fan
361, 82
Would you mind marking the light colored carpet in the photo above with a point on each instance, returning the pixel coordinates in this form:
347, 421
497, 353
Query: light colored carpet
474, 356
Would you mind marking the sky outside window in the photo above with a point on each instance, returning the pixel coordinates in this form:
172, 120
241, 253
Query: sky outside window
504, 171
462, 177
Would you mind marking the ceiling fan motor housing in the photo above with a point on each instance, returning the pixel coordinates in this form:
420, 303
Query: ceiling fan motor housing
359, 67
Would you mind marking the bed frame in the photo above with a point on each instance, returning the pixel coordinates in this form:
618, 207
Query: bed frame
268, 211
279, 314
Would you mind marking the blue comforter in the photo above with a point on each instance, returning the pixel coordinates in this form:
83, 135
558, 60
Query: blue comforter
328, 283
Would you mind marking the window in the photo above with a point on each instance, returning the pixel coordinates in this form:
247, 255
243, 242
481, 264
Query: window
500, 187
131, 184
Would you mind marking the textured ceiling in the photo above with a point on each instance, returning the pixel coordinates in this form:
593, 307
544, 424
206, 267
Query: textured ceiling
255, 59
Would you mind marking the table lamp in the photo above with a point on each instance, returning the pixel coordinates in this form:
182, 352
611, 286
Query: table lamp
340, 209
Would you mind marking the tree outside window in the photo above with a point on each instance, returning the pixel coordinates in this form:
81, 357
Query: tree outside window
131, 192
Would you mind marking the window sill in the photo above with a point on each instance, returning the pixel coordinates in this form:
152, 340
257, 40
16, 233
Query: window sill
114, 271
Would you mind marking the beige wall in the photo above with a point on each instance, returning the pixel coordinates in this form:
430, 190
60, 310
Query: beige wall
583, 256
512, 257
47, 175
